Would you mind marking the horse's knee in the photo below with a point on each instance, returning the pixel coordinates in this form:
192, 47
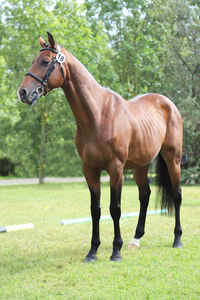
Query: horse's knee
96, 213
115, 203
95, 205
115, 211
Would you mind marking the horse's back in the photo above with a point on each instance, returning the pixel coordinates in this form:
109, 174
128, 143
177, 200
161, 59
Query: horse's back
157, 103
152, 99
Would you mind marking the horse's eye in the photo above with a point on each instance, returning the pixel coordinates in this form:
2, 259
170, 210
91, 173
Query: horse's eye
45, 62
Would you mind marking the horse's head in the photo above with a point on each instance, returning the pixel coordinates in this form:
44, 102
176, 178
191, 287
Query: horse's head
46, 73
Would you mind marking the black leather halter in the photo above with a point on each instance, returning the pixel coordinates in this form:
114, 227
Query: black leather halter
42, 89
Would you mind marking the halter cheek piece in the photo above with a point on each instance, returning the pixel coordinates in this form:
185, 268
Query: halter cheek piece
39, 91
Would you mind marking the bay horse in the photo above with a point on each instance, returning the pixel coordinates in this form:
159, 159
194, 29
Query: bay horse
113, 134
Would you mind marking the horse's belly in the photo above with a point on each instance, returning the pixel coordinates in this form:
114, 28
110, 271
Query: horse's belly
139, 160
142, 152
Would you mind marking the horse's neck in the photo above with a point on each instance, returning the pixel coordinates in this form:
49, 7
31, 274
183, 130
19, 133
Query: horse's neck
83, 93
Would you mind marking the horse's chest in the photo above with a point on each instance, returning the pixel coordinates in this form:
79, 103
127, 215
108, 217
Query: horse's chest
96, 155
94, 152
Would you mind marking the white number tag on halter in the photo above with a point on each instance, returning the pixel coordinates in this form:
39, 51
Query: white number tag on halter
60, 57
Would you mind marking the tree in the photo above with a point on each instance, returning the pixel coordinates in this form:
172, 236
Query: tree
133, 47
41, 138
137, 51
180, 23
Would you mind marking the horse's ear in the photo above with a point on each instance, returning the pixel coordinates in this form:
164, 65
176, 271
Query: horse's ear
51, 40
42, 42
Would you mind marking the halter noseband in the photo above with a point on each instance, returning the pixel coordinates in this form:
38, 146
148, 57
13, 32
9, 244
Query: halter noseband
39, 91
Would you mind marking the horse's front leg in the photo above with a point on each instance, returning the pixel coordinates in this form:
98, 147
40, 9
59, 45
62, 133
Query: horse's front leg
93, 181
116, 179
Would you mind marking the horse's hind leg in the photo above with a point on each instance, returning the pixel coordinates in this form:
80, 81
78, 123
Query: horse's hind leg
177, 230
93, 181
141, 179
174, 170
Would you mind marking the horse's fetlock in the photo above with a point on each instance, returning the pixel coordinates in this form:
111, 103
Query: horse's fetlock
95, 243
117, 243
139, 232
178, 231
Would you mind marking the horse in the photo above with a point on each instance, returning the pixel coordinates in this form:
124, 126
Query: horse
113, 134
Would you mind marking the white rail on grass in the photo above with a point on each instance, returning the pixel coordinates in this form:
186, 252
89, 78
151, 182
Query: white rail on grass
108, 217
16, 227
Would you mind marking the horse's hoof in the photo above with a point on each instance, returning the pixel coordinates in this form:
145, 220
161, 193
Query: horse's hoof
116, 257
177, 245
90, 259
134, 244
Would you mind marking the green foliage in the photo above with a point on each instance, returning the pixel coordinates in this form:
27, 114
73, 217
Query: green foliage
133, 47
136, 48
179, 23
20, 129
191, 139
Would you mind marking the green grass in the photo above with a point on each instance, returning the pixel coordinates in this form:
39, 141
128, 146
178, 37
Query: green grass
47, 262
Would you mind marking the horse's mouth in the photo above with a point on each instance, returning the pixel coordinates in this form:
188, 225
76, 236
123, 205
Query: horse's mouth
32, 99
35, 96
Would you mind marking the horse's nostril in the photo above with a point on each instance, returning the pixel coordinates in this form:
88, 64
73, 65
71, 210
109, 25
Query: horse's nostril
22, 95
22, 92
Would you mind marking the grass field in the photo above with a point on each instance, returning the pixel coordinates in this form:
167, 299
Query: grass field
47, 262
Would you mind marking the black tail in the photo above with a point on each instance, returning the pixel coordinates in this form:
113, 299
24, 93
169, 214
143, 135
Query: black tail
164, 185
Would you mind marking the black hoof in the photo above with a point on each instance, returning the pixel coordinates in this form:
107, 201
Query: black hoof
90, 259
116, 257
177, 244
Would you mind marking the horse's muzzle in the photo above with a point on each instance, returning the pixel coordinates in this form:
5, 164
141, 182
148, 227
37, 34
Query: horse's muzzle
31, 100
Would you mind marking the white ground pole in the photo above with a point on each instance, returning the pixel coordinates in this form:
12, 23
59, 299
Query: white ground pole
108, 217
16, 227
134, 243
